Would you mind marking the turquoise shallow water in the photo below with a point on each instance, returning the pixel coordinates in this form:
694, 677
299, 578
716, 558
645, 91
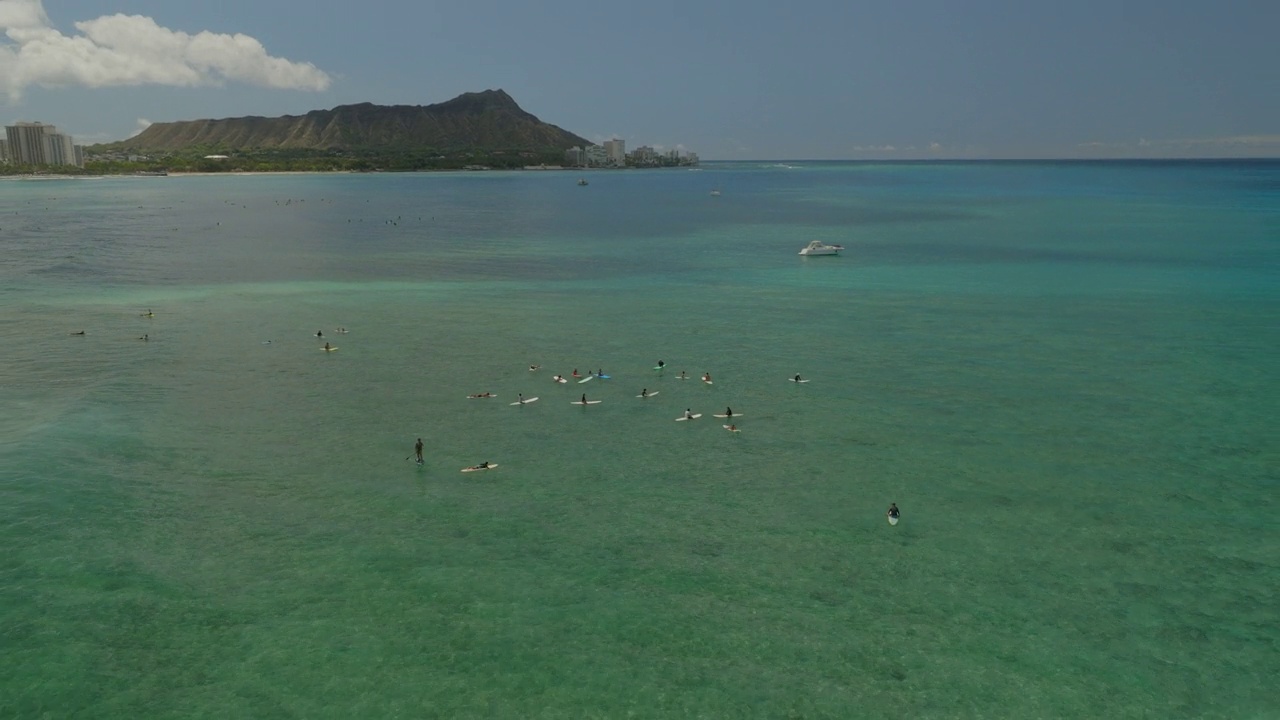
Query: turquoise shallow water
1064, 374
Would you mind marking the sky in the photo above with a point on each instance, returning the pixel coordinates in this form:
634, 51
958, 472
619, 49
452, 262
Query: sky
730, 80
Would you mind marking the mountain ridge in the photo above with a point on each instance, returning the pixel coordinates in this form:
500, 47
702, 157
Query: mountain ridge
486, 120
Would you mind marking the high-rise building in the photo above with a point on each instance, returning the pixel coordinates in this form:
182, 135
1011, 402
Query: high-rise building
616, 150
40, 144
4, 152
574, 157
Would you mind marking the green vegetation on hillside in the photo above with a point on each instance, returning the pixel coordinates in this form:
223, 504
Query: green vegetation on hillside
307, 160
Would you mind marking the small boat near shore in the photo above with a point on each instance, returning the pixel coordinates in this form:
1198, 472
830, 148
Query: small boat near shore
817, 247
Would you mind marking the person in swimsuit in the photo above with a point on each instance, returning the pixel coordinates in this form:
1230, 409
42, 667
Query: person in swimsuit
644, 392
417, 450
688, 413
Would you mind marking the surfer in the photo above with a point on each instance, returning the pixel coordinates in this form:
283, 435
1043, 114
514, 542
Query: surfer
534, 367
78, 333
575, 373
644, 392
684, 375
148, 313
733, 428
342, 330
482, 466
520, 400
319, 334
706, 377
558, 378
417, 450
661, 364
728, 412
893, 511
144, 337
584, 399
688, 413
796, 378
327, 346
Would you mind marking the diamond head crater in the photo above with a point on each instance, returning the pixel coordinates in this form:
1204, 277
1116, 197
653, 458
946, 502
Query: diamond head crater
477, 130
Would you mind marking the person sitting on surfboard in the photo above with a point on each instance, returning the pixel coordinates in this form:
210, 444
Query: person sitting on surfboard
557, 378
417, 450
661, 364
893, 511
688, 413
733, 428
728, 412
706, 377
327, 346
575, 373
644, 392
796, 378
144, 337
683, 375
584, 399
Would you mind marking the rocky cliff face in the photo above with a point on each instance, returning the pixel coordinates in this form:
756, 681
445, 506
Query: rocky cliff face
483, 120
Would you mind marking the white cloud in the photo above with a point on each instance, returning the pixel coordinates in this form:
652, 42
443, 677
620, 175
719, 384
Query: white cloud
134, 50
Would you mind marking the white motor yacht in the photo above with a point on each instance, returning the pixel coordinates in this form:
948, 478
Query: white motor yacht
817, 247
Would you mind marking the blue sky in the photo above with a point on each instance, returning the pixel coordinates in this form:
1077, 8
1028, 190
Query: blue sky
806, 79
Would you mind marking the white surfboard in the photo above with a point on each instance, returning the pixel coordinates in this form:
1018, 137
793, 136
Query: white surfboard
589, 402
534, 368
797, 381
329, 349
655, 392
526, 401
481, 397
893, 520
477, 469
585, 379
695, 416
730, 428
728, 416
560, 380
708, 382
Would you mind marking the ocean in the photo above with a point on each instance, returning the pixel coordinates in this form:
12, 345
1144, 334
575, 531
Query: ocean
1066, 375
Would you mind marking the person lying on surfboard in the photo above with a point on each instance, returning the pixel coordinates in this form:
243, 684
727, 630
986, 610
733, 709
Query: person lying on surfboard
893, 511
688, 413
482, 466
